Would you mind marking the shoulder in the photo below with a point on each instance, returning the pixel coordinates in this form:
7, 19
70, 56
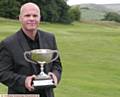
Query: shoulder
10, 40
44, 33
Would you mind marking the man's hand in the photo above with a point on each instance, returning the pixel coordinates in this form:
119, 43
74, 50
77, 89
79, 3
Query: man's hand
53, 76
28, 82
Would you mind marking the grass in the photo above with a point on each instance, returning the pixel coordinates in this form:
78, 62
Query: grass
90, 55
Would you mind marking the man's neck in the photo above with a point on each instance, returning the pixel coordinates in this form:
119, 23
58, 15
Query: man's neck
30, 34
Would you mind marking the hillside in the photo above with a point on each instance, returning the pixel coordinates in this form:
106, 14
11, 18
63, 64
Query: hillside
97, 11
90, 55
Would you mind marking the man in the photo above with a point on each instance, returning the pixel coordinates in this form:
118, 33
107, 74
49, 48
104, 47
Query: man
15, 71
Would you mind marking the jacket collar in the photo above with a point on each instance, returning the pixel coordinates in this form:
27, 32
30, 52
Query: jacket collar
23, 42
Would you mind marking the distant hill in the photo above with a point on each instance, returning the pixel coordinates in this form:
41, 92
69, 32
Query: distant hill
97, 11
113, 7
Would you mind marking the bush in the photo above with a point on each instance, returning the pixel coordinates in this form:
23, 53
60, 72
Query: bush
112, 16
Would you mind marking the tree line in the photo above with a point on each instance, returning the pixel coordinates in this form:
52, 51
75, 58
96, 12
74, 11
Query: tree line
112, 16
51, 10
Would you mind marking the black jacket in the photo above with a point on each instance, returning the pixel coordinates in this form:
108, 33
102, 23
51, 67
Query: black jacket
14, 68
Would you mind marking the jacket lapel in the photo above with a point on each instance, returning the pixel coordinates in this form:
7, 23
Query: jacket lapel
24, 45
41, 41
43, 45
22, 41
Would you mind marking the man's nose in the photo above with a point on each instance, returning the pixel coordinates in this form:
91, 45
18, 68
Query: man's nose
31, 17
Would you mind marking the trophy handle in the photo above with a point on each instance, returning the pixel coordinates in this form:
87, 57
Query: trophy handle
26, 58
55, 51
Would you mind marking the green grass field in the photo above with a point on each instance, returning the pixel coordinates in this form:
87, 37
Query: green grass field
90, 54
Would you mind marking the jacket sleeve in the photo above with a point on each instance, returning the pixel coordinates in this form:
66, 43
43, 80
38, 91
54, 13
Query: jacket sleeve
57, 66
7, 74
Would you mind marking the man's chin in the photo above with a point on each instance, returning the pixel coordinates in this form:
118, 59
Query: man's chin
31, 30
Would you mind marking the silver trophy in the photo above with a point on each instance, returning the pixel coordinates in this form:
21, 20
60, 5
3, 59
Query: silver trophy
41, 57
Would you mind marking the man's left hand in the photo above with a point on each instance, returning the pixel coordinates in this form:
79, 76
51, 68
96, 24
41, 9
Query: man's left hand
53, 76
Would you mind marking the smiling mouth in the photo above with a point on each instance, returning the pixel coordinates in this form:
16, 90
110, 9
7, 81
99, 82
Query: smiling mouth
31, 24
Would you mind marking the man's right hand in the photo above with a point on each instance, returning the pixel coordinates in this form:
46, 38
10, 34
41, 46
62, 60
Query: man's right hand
28, 82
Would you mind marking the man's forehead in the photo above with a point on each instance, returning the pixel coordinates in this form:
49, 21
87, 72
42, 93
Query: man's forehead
29, 6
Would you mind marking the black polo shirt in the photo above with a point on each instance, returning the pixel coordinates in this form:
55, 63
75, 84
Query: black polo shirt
33, 44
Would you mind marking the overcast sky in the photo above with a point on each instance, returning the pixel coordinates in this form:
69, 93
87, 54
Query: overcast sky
72, 2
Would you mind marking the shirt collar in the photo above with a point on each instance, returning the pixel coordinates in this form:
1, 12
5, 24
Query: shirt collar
29, 39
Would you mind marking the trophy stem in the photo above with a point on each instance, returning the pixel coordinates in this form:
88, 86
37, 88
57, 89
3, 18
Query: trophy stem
42, 75
42, 68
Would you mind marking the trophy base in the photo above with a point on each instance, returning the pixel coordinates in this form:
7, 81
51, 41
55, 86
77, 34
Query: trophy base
48, 83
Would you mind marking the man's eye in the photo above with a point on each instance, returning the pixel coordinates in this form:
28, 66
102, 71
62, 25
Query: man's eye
35, 15
27, 15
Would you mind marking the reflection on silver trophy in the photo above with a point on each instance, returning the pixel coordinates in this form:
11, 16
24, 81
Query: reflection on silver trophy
41, 57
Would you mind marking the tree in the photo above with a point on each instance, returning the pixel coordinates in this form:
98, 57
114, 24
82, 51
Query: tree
51, 10
112, 16
63, 12
9, 8
75, 13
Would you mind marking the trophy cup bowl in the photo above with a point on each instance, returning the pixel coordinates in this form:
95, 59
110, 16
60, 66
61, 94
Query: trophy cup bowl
41, 57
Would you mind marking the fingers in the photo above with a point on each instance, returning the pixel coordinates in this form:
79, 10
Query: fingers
53, 76
28, 82
34, 76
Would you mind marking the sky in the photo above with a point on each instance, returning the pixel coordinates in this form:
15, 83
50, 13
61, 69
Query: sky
73, 2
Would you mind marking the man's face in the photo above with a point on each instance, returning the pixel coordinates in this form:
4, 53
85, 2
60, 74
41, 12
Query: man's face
30, 18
